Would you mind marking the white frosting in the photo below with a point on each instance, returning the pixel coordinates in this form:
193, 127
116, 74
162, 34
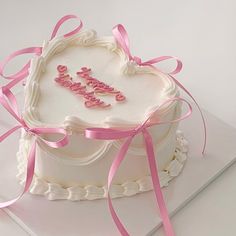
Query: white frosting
79, 170
55, 191
144, 87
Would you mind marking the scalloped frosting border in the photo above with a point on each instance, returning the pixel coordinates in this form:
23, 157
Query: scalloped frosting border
84, 38
54, 191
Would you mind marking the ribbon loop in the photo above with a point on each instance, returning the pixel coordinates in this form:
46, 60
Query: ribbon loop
122, 39
178, 68
111, 134
62, 21
24, 71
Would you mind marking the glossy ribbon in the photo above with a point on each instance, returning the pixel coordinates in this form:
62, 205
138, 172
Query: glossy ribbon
8, 101
20, 75
113, 134
122, 39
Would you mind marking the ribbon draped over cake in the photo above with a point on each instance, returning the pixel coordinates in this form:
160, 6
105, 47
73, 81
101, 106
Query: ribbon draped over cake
121, 36
113, 134
24, 72
8, 101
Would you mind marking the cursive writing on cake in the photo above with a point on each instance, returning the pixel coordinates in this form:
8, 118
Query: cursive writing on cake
65, 80
98, 86
91, 101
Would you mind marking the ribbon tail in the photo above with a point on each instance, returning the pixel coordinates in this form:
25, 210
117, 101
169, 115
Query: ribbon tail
30, 167
114, 167
29, 177
116, 219
60, 142
9, 132
202, 117
156, 184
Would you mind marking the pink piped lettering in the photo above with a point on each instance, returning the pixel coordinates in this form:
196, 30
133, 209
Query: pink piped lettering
62, 69
65, 80
98, 86
120, 97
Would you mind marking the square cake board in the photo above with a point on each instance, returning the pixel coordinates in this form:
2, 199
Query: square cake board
38, 216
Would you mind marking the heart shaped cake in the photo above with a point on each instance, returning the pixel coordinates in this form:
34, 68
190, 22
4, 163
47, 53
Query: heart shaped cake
85, 81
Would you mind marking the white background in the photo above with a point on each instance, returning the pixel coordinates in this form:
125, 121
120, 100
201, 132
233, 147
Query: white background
201, 33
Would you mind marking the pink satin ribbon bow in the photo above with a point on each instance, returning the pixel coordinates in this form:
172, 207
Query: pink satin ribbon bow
121, 37
20, 75
8, 101
128, 135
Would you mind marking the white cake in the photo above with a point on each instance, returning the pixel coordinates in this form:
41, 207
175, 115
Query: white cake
79, 170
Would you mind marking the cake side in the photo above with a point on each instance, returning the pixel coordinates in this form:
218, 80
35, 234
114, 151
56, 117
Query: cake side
55, 191
79, 164
85, 162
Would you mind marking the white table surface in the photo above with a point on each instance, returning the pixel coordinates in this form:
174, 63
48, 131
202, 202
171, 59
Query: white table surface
201, 33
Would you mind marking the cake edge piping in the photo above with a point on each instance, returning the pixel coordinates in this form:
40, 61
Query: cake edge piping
54, 191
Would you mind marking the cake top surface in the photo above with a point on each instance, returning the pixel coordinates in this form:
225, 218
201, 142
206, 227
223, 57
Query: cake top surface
85, 80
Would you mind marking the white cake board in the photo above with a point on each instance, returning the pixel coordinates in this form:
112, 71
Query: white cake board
38, 216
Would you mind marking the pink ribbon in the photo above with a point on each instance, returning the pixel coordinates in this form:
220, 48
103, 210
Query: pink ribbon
113, 134
122, 39
20, 75
8, 101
